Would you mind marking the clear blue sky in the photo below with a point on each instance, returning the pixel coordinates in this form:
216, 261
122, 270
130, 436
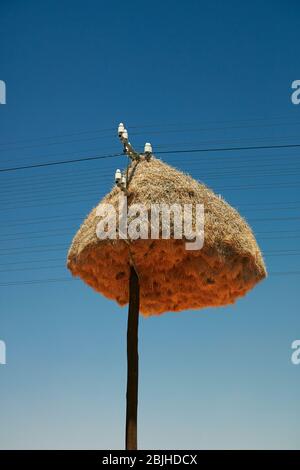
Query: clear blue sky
183, 75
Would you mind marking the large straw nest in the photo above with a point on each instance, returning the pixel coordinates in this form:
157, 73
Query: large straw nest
171, 277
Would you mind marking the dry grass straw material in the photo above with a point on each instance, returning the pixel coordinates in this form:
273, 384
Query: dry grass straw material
171, 277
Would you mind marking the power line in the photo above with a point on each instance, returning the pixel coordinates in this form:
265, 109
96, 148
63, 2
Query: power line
97, 198
232, 141
63, 247
223, 128
45, 220
55, 143
294, 184
59, 203
36, 232
37, 281
63, 162
181, 126
67, 279
175, 151
66, 230
76, 217
291, 184
34, 268
31, 261
50, 190
281, 237
49, 219
191, 163
242, 139
63, 266
276, 231
92, 184
59, 136
273, 219
208, 160
284, 254
226, 121
227, 149
6, 251
106, 176
47, 260
286, 273
273, 209
64, 142
281, 251
44, 156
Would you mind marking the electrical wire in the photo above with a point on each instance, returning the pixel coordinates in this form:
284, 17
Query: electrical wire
83, 180
204, 159
63, 231
182, 128
67, 279
278, 186
62, 162
174, 151
92, 184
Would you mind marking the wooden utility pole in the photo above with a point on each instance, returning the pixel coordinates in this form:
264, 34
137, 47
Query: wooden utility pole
132, 361
122, 181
